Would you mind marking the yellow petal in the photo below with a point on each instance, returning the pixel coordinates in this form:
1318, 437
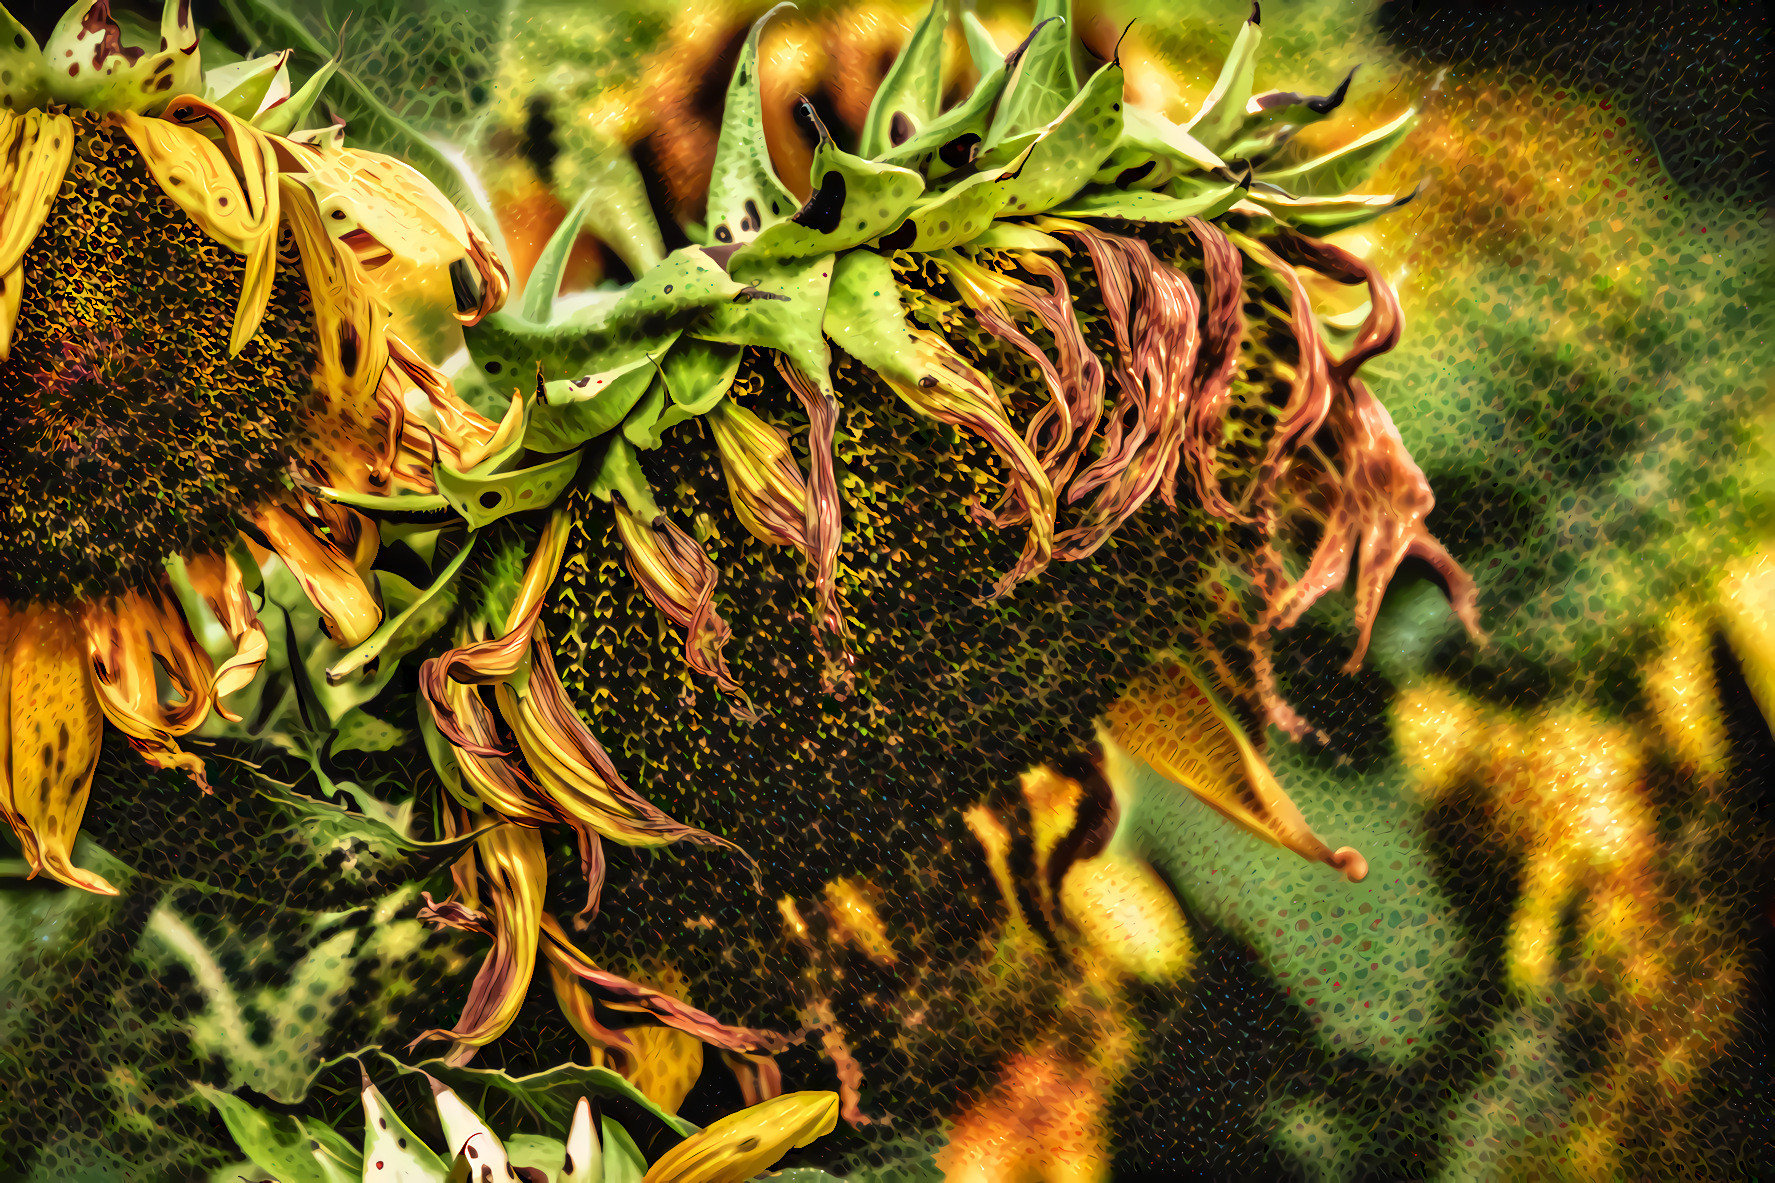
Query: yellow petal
516, 867
484, 262
218, 579
12, 289
350, 320
9, 626
54, 728
764, 481
34, 152
373, 201
1169, 719
329, 578
742, 1144
229, 189
128, 642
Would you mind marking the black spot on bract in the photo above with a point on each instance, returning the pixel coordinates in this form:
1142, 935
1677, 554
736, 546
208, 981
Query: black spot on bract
900, 239
959, 152
825, 209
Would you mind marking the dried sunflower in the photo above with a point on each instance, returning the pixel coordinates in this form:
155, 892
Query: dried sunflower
949, 226
194, 334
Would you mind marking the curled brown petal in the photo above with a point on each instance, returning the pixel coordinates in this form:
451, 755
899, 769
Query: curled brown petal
825, 509
623, 994
1204, 414
680, 580
1155, 314
516, 869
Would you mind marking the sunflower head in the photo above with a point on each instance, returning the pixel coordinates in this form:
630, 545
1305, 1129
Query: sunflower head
205, 314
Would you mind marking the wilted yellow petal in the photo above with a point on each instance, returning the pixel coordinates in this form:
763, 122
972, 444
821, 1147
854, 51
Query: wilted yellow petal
53, 728
680, 580
217, 578
516, 870
129, 641
742, 1144
764, 482
35, 148
229, 189
1169, 719
350, 320
328, 577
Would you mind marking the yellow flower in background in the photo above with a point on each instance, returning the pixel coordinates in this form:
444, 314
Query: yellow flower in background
194, 332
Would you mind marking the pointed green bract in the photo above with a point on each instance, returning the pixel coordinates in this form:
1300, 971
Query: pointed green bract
575, 411
620, 474
912, 91
1151, 151
24, 83
853, 201
1224, 111
623, 1160
1272, 117
955, 215
1069, 151
1327, 215
785, 316
949, 144
745, 195
1349, 166
981, 47
482, 499
404, 631
1210, 201
1038, 89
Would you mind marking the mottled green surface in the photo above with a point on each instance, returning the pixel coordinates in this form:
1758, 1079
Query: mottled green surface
1582, 368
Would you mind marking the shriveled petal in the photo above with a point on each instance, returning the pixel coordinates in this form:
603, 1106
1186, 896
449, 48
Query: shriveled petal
575, 773
764, 482
622, 994
462, 427
610, 1047
229, 188
516, 869
1172, 721
824, 522
328, 577
481, 265
740, 1145
951, 391
680, 580
105, 74
53, 729
501, 785
1061, 431
218, 579
1155, 313
128, 640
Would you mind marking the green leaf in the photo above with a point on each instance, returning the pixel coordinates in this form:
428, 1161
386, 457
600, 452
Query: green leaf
853, 201
1069, 150
694, 377
544, 283
1153, 150
1272, 117
484, 499
955, 215
397, 507
1327, 215
786, 316
745, 195
620, 472
412, 626
293, 1149
911, 93
647, 317
545, 1098
623, 1161
581, 409
1341, 171
613, 205
981, 47
534, 1150
1223, 113
1040, 86
1140, 206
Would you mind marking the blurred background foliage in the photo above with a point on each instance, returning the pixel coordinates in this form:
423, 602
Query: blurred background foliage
1585, 379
